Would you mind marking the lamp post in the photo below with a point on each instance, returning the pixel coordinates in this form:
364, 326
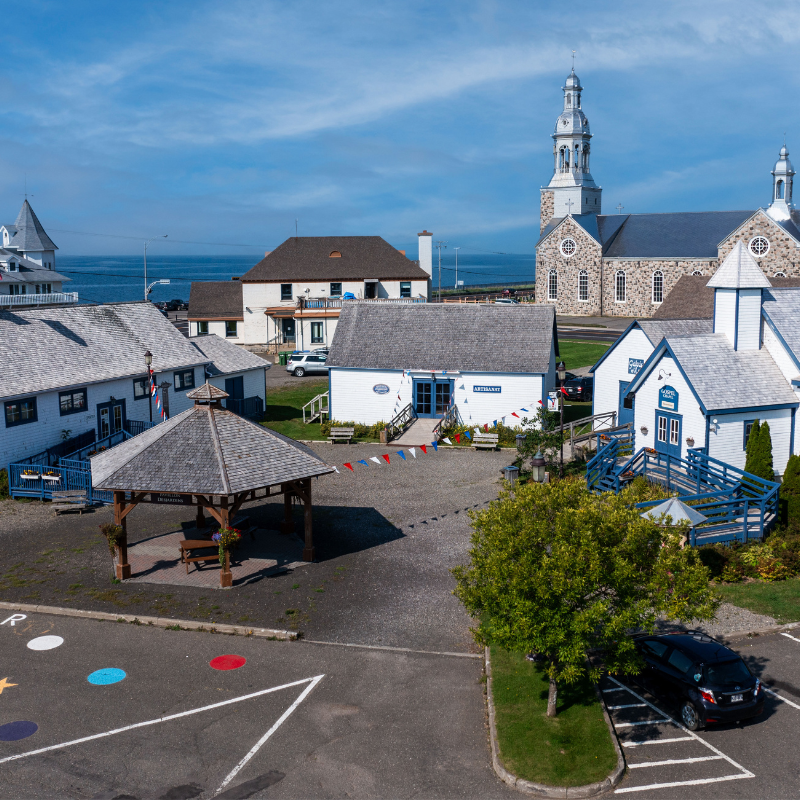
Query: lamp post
153, 238
538, 467
148, 359
561, 370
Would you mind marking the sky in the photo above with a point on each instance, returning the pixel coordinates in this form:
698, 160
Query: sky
225, 124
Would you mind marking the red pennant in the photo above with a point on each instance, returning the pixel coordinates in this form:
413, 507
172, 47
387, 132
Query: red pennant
350, 467
423, 448
539, 402
564, 391
458, 438
386, 458
485, 427
514, 414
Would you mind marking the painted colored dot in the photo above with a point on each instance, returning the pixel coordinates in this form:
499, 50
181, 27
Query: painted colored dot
45, 642
227, 662
102, 677
14, 731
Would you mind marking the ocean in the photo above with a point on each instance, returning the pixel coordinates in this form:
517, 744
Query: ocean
105, 279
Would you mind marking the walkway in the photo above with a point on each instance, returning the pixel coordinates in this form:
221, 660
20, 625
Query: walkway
419, 432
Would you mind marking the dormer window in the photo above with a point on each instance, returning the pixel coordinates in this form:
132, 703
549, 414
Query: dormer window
335, 254
12, 266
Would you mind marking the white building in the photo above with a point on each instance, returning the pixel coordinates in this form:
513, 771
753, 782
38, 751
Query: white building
80, 369
490, 360
295, 293
704, 391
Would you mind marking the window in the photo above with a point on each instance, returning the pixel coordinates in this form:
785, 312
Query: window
140, 388
72, 402
569, 101
674, 432
335, 254
552, 285
658, 286
583, 285
759, 246
680, 661
662, 429
405, 288
568, 247
286, 291
697, 272
654, 648
779, 190
316, 333
748, 427
620, 287
202, 328
20, 412
184, 379
18, 289
336, 290
12, 266
780, 274
231, 329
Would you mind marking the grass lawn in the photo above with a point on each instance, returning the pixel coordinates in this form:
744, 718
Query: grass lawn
581, 354
573, 749
780, 599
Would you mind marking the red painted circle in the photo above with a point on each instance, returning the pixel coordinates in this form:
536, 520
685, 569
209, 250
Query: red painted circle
227, 662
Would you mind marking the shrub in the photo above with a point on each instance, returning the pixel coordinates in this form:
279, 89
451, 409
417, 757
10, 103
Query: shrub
3, 484
750, 451
759, 452
506, 436
359, 431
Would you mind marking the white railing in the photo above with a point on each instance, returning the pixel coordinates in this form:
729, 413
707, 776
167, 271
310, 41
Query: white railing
10, 300
337, 302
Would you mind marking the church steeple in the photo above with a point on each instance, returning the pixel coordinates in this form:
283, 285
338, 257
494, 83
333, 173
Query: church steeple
574, 190
782, 206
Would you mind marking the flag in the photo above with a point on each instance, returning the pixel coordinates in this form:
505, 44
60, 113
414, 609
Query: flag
412, 451
386, 458
435, 446
336, 471
424, 450
401, 454
539, 402
376, 460
564, 391
468, 435
494, 423
458, 438
398, 397
485, 427
361, 461
514, 414
446, 440
350, 467
525, 409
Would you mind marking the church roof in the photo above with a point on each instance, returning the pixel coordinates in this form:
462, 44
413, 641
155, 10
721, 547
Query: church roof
782, 309
739, 270
30, 235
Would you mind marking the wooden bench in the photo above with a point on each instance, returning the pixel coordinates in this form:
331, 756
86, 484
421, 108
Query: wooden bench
69, 501
341, 435
188, 545
485, 440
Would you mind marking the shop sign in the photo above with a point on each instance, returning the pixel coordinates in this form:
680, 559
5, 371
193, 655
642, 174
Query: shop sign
488, 389
380, 388
634, 365
668, 398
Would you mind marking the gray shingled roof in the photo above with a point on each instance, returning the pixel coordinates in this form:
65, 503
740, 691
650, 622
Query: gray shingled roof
205, 450
226, 357
727, 378
739, 270
656, 330
216, 300
308, 258
30, 235
782, 306
49, 348
446, 336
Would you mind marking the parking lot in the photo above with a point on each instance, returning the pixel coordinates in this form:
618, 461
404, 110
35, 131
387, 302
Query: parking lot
754, 758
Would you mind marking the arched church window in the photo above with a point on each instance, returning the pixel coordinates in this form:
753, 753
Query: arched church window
620, 288
697, 272
779, 190
568, 247
780, 274
552, 285
577, 161
759, 246
569, 101
583, 285
586, 158
658, 286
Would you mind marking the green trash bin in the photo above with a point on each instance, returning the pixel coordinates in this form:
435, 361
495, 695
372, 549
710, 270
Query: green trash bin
283, 359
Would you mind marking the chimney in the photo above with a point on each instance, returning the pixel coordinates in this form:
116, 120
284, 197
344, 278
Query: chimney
426, 251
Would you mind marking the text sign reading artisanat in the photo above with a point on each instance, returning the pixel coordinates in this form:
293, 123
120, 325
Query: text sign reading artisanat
668, 398
488, 389
171, 499
634, 365
380, 388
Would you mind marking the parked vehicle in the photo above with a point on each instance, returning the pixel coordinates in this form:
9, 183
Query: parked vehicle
709, 682
568, 377
580, 389
302, 362
174, 305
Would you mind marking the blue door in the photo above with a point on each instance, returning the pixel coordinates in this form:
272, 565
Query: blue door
624, 415
111, 418
668, 433
432, 398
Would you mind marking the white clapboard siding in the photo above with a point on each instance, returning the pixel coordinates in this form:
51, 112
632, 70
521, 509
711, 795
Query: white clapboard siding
728, 443
615, 368
749, 319
779, 355
725, 312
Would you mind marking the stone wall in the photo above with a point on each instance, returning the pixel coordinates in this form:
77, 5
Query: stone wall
783, 255
546, 213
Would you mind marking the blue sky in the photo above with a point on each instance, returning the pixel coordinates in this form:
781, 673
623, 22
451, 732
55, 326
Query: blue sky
224, 122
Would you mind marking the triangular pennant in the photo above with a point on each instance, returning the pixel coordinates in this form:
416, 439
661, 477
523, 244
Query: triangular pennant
350, 467
446, 440
525, 410
401, 454
435, 446
376, 460
336, 471
361, 461
385, 458
412, 451
458, 438
514, 414
485, 427
468, 435
424, 450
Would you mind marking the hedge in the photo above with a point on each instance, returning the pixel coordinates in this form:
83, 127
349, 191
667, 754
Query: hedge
359, 431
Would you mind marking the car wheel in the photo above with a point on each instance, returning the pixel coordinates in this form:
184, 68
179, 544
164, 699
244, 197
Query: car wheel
689, 716
299, 372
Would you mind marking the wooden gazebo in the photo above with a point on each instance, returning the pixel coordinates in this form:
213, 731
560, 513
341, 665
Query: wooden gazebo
210, 458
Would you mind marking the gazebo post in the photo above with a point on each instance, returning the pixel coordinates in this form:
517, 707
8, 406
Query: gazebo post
308, 551
225, 576
200, 520
287, 526
123, 567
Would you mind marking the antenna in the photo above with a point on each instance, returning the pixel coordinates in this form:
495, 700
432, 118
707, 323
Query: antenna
26, 177
573, 61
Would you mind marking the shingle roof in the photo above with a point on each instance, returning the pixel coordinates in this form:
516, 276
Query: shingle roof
30, 235
216, 300
656, 330
782, 306
50, 348
446, 336
207, 392
308, 258
219, 452
226, 357
739, 270
727, 378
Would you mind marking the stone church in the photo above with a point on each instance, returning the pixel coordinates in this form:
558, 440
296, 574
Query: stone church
590, 263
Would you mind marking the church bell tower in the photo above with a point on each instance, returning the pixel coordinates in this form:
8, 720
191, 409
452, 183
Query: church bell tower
572, 189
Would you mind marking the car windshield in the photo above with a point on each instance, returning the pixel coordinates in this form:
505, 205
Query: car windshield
573, 382
727, 672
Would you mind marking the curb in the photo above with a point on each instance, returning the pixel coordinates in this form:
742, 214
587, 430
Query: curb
789, 626
157, 622
539, 789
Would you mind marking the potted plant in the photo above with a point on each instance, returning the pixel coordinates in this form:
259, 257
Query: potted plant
30, 474
226, 539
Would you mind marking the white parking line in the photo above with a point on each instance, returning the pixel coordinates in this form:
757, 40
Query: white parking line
782, 699
682, 783
632, 705
657, 741
789, 636
622, 689
641, 722
673, 761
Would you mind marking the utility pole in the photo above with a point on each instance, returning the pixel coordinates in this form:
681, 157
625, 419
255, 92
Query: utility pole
439, 246
456, 249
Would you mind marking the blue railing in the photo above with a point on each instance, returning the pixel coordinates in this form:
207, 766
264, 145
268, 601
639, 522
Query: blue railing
137, 426
40, 480
51, 455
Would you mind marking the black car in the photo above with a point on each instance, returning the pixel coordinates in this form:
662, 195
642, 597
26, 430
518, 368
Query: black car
568, 377
710, 682
579, 388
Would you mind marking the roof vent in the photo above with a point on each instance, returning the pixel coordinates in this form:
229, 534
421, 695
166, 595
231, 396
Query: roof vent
335, 254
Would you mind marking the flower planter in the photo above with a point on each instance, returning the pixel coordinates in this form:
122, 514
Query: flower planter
31, 476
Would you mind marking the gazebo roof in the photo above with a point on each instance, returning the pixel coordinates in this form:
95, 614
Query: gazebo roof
205, 450
678, 510
206, 392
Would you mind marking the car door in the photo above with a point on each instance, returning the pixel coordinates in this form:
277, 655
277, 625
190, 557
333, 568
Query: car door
677, 668
652, 650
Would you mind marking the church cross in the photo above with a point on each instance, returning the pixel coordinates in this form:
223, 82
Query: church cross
569, 206
619, 208
573, 61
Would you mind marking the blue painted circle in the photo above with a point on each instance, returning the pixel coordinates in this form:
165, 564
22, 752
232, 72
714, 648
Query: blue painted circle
380, 388
102, 677
14, 731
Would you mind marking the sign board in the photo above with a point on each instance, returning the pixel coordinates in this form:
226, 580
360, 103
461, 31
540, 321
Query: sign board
380, 388
171, 499
634, 365
488, 389
461, 283
668, 398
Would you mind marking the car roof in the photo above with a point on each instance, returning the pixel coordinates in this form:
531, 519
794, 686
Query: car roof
699, 645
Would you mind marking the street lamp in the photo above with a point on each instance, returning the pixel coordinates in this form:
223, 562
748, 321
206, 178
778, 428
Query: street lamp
148, 359
153, 238
162, 282
561, 371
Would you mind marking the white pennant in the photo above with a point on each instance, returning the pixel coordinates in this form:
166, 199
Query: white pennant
376, 460
411, 450
336, 471
447, 440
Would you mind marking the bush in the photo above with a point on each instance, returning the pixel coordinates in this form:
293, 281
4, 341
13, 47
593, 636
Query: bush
3, 484
506, 436
774, 559
359, 431
759, 452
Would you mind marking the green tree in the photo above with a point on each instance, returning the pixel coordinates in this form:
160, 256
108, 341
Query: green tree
791, 477
767, 470
559, 571
750, 451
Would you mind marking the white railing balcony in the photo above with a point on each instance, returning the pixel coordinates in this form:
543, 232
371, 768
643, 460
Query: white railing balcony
337, 302
16, 300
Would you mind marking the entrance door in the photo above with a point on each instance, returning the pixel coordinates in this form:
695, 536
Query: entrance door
442, 397
432, 398
287, 329
235, 389
624, 415
369, 291
668, 433
110, 418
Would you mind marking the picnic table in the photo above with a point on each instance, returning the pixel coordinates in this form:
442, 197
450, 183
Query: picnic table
189, 546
